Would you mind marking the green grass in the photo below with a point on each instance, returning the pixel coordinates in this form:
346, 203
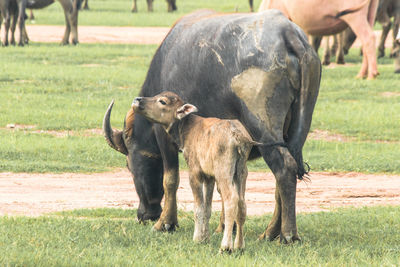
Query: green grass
112, 237
68, 89
118, 12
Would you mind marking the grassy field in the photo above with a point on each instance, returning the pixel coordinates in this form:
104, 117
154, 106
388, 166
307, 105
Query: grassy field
110, 237
58, 93
118, 12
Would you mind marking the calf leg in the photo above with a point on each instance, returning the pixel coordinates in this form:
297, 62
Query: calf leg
242, 210
220, 227
230, 197
199, 209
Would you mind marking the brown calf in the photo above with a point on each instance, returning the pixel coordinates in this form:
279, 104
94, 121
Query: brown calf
216, 151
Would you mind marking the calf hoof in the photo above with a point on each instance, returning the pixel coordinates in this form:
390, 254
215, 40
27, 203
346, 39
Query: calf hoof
160, 226
397, 71
220, 228
381, 54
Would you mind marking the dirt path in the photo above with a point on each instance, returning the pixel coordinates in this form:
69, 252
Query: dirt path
36, 194
100, 34
120, 35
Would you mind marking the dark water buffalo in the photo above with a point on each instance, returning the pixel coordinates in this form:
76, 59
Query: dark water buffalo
70, 11
257, 68
171, 5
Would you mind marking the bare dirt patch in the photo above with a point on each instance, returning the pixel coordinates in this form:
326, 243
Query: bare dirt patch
37, 194
328, 136
390, 94
100, 34
56, 133
122, 35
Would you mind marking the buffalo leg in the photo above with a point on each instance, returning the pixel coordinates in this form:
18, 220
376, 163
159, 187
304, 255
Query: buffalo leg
274, 227
396, 24
284, 167
339, 51
251, 5
13, 26
134, 6
21, 21
150, 5
71, 21
327, 52
385, 31
362, 28
169, 153
335, 44
85, 5
316, 42
172, 5
5, 14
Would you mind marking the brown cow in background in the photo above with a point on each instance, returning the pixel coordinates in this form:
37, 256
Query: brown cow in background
327, 17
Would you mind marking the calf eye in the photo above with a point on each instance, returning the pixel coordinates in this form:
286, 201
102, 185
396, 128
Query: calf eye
162, 102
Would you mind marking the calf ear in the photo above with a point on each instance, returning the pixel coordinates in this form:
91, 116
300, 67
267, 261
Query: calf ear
185, 110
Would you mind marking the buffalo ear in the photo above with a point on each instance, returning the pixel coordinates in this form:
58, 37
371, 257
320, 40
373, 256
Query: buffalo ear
185, 110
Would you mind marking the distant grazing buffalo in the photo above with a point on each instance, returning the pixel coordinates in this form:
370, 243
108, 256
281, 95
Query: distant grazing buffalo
17, 7
257, 68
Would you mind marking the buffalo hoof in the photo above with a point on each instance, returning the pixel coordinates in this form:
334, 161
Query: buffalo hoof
143, 216
340, 61
381, 54
289, 239
268, 236
372, 76
326, 62
397, 71
225, 250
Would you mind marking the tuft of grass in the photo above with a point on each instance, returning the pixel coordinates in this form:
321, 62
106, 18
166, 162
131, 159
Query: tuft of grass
112, 237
